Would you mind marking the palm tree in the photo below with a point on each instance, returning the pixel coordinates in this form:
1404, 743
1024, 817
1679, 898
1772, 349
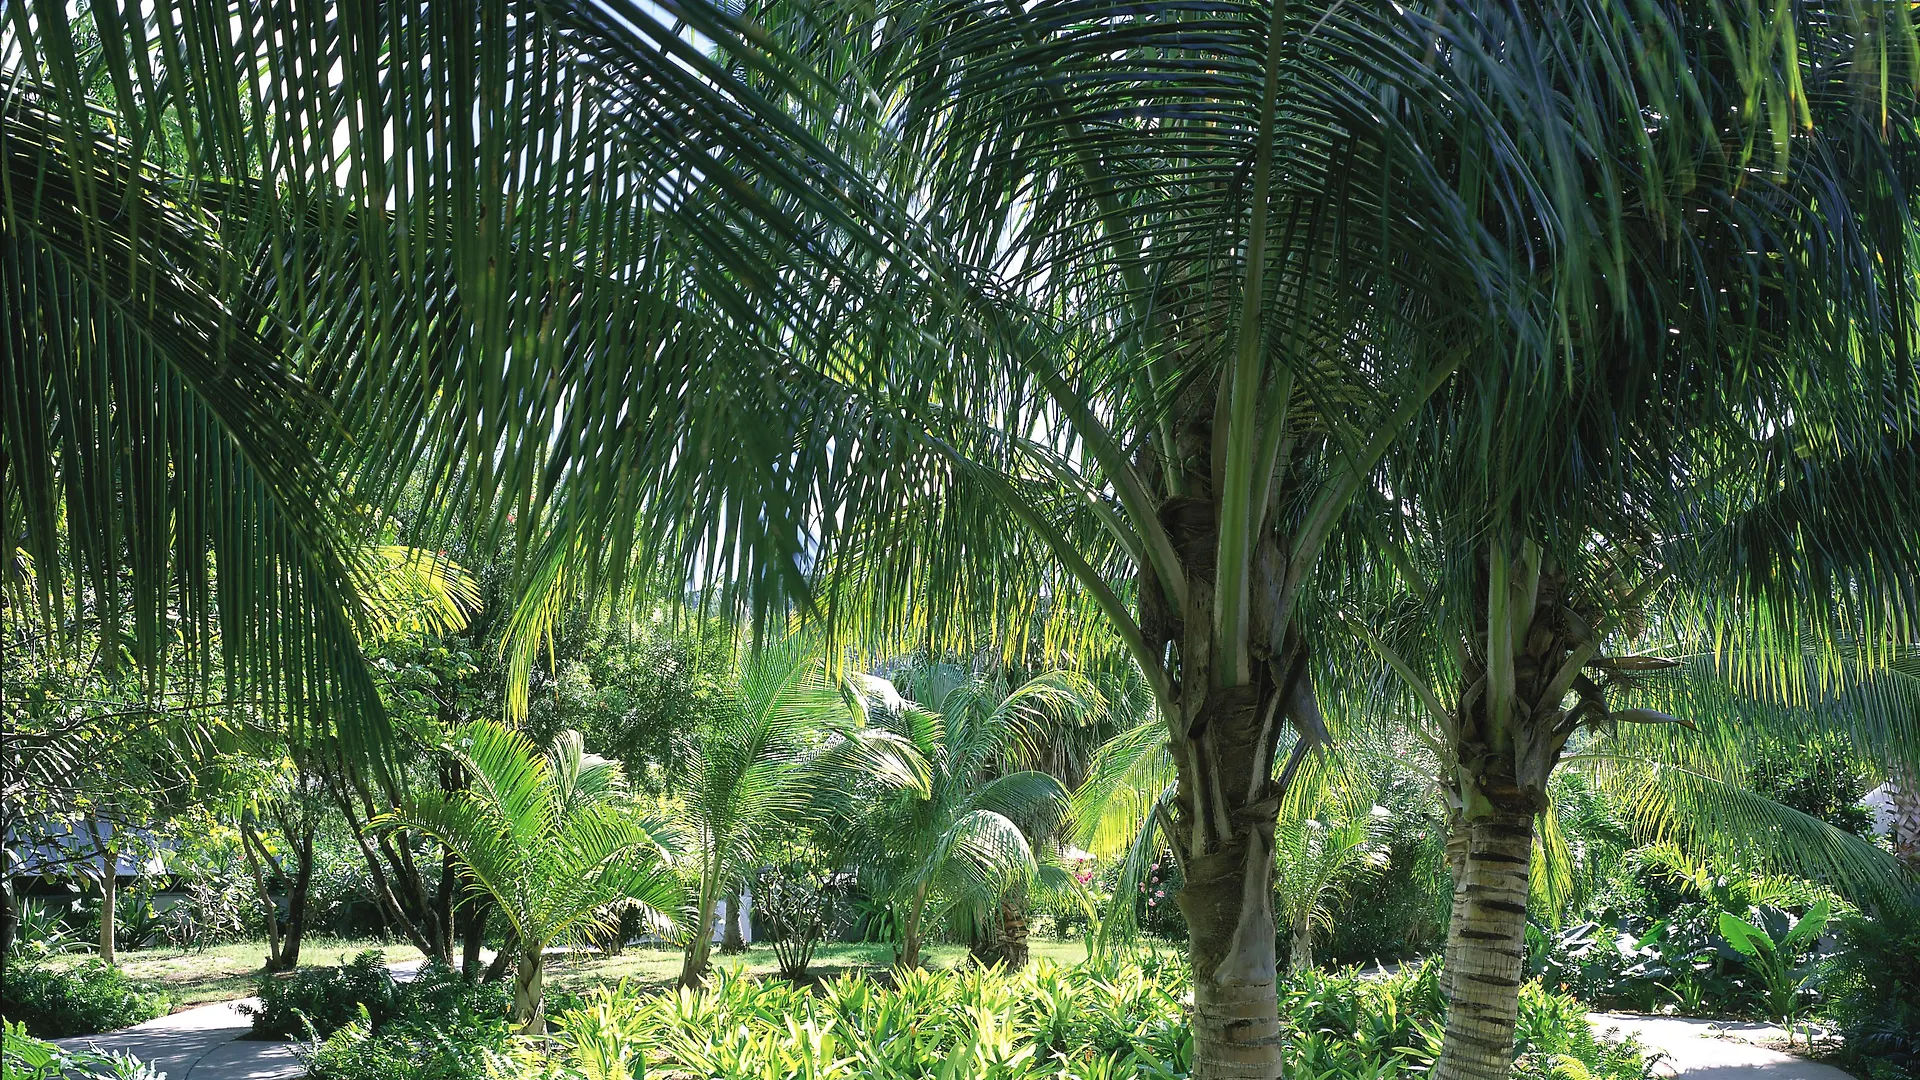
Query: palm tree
1320, 858
790, 730
546, 836
968, 838
1094, 315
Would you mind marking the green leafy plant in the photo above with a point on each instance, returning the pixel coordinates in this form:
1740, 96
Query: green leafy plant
547, 837
83, 1000
23, 1057
1772, 940
321, 1000
1873, 991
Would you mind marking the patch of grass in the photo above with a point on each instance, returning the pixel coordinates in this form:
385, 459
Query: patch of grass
223, 972
658, 968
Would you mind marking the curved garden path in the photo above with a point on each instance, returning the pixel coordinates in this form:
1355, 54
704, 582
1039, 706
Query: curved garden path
1712, 1050
208, 1042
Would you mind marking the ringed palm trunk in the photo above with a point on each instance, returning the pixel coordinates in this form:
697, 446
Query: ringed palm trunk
1224, 740
529, 994
1301, 954
1487, 945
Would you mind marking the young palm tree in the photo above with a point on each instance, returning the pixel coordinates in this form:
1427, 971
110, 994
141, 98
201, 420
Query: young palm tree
969, 837
547, 837
791, 730
1319, 859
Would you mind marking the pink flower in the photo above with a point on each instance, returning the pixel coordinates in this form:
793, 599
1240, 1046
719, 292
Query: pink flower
1153, 903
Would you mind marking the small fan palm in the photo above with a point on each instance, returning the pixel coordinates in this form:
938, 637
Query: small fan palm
970, 837
545, 835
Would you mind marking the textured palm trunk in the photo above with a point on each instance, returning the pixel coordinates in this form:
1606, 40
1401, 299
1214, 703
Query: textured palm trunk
1225, 741
1487, 947
1904, 829
529, 994
1459, 838
693, 969
1300, 955
298, 890
732, 941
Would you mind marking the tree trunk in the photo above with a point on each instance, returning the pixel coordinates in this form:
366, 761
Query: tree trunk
1300, 956
907, 956
1487, 947
9, 917
1904, 828
732, 942
109, 893
529, 996
472, 914
1459, 839
693, 969
298, 891
269, 911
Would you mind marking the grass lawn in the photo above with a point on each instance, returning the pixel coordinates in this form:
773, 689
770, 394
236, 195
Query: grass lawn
661, 967
223, 972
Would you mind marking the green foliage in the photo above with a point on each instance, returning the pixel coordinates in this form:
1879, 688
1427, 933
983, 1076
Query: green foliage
1873, 991
1820, 776
83, 1000
436, 1027
320, 1000
23, 1057
1773, 942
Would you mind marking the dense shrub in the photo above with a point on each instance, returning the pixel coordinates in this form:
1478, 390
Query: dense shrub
436, 1027
1400, 912
322, 999
1873, 992
84, 1000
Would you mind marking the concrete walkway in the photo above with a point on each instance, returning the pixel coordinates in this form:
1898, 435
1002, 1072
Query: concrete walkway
209, 1042
1715, 1050
203, 1043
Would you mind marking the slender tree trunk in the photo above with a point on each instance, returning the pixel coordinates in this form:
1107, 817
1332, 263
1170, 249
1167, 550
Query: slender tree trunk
472, 914
1487, 947
269, 911
732, 942
9, 917
109, 893
298, 891
1300, 956
908, 955
693, 969
529, 996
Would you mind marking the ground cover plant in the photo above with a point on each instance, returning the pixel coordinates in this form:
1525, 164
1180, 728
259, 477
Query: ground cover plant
1082, 1022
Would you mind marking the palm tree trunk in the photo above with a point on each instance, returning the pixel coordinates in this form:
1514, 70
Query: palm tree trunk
1014, 949
1228, 903
528, 989
1301, 954
1487, 947
909, 954
298, 891
1459, 838
693, 969
1904, 829
732, 942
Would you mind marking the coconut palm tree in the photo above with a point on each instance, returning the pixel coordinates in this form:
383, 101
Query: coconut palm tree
969, 837
1319, 859
1094, 315
791, 730
547, 837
